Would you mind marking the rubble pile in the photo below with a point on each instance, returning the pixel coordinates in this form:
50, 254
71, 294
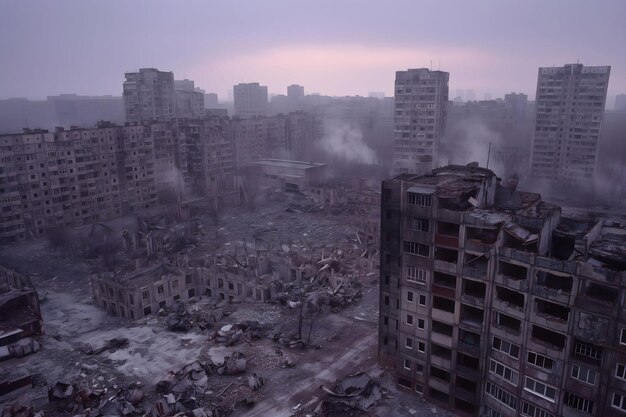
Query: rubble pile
351, 395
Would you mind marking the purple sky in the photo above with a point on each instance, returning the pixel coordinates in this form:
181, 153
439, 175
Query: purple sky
332, 47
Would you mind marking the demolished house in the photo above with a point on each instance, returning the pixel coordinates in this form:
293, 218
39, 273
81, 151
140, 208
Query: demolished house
500, 301
20, 326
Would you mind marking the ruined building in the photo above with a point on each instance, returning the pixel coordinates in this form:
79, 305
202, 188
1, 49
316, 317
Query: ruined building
570, 108
493, 303
421, 98
149, 94
144, 291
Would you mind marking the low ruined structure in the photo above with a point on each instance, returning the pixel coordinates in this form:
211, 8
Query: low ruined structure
144, 291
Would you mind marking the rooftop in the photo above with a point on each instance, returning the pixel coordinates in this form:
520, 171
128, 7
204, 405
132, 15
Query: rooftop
284, 163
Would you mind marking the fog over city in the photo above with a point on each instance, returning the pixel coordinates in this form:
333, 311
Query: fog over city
312, 208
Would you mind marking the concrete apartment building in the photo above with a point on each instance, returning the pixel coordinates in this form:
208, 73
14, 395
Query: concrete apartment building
250, 100
421, 97
570, 105
210, 158
73, 177
189, 101
493, 303
149, 95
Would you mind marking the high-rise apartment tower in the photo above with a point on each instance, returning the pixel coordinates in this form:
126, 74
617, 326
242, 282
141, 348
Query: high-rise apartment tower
570, 104
420, 118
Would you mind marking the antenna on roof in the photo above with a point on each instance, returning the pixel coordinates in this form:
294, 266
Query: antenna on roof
431, 64
488, 154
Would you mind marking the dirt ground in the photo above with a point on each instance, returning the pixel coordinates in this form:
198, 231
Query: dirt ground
347, 340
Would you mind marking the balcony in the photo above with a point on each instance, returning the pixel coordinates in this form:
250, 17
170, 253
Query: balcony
477, 272
445, 266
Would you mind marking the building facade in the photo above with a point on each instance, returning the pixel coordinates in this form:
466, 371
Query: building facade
250, 100
421, 97
493, 303
570, 105
149, 95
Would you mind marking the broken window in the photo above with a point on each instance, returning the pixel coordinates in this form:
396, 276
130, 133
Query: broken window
444, 280
602, 293
531, 410
440, 351
578, 403
440, 374
512, 298
463, 405
471, 315
160, 289
555, 282
506, 347
444, 304
422, 200
467, 361
445, 254
584, 374
470, 338
231, 286
409, 319
549, 338
487, 236
474, 288
437, 395
508, 322
552, 310
448, 229
188, 278
220, 283
442, 328
587, 352
513, 271
147, 311
145, 295
419, 225
540, 360
416, 248
504, 372
415, 274
466, 384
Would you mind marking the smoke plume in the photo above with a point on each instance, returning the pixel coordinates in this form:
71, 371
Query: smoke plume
345, 142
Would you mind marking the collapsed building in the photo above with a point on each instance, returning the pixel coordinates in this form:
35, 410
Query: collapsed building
495, 303
20, 324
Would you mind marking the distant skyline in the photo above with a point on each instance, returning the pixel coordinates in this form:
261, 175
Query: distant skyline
336, 48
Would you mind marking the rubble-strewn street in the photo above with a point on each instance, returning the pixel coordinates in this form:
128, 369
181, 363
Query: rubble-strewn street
213, 354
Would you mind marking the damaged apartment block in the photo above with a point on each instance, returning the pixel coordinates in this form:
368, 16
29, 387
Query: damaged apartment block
20, 324
495, 303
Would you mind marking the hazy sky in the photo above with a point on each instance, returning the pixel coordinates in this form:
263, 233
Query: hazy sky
330, 46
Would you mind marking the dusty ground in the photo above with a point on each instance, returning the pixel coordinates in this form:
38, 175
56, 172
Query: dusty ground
348, 339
